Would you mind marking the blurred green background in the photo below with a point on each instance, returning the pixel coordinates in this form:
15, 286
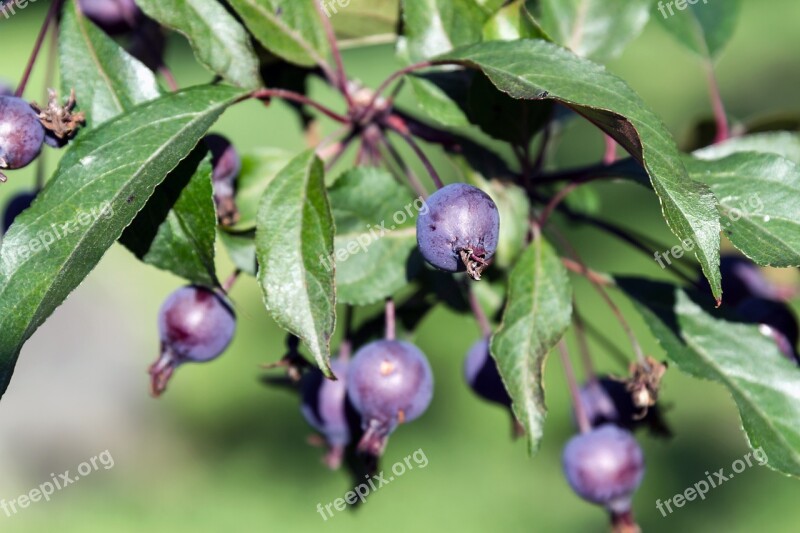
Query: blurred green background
220, 451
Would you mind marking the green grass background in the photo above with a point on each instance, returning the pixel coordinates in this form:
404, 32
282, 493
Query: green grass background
221, 452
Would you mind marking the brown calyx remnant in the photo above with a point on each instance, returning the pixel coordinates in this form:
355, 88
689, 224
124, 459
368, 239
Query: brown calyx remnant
60, 120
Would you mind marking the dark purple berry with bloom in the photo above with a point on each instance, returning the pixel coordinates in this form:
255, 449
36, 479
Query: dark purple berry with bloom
604, 466
389, 382
196, 325
480, 371
226, 166
742, 279
21, 133
17, 205
112, 16
325, 409
776, 320
483, 377
458, 230
608, 401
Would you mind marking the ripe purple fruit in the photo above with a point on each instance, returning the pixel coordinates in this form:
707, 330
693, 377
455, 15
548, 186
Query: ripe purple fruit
226, 166
112, 16
21, 133
480, 371
604, 466
389, 382
742, 279
459, 229
608, 401
325, 409
196, 325
17, 205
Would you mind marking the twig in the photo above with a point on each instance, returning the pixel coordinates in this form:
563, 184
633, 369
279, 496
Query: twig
393, 124
413, 180
580, 335
720, 116
390, 319
580, 413
267, 94
49, 18
477, 310
341, 74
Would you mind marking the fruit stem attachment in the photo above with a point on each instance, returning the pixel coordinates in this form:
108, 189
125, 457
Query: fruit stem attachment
580, 413
268, 94
50, 17
390, 319
413, 180
477, 310
580, 267
397, 125
341, 75
229, 283
583, 346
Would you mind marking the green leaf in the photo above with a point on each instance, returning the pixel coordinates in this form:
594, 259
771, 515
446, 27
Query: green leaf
783, 143
241, 248
375, 234
537, 314
176, 229
363, 18
294, 233
688, 207
704, 27
436, 104
433, 27
757, 196
107, 80
291, 30
598, 29
101, 183
259, 168
513, 22
219, 42
763, 383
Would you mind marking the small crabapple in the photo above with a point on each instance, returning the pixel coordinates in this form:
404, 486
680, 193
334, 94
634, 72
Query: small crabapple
389, 382
196, 325
459, 230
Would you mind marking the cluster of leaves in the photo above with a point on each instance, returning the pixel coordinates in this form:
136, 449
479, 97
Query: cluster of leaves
514, 70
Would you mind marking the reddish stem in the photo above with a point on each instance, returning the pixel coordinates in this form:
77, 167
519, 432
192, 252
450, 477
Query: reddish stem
388, 81
413, 180
721, 117
477, 310
231, 281
611, 150
396, 124
557, 199
267, 94
341, 74
390, 319
580, 413
51, 14
166, 73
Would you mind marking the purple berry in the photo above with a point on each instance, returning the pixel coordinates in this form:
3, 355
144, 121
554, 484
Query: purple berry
389, 382
195, 325
608, 401
325, 409
112, 16
17, 205
776, 320
21, 133
742, 279
226, 166
604, 466
459, 229
480, 371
